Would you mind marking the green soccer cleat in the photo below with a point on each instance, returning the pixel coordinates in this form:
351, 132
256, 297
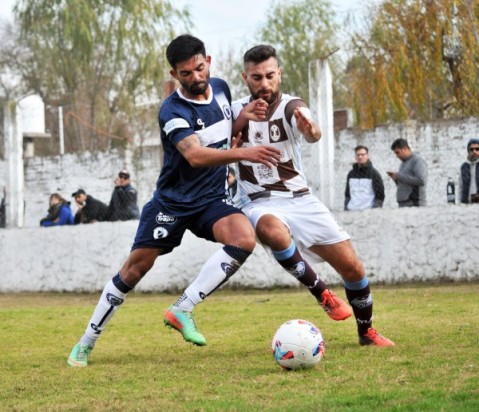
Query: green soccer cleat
79, 355
184, 323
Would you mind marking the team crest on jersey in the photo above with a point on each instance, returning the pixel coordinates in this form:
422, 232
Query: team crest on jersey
227, 111
162, 219
274, 133
160, 233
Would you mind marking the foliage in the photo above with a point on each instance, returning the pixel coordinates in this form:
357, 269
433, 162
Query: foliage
139, 365
102, 60
416, 59
302, 31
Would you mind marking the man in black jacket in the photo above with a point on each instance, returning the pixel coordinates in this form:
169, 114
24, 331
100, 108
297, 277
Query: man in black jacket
469, 179
364, 185
123, 203
89, 209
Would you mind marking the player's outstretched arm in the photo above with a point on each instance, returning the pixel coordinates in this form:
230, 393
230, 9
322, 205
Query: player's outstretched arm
255, 110
200, 156
307, 127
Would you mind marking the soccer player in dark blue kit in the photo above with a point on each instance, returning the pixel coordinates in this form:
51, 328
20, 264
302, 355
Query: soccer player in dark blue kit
191, 193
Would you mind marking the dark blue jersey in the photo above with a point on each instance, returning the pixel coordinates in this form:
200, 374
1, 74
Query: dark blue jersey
181, 189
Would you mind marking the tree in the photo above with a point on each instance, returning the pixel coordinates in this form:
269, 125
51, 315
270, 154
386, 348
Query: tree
416, 59
103, 60
301, 31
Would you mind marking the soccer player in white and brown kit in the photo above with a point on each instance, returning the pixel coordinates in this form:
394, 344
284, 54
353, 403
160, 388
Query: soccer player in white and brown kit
286, 216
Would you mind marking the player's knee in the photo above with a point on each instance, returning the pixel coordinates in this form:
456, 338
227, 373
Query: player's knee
246, 242
277, 237
354, 272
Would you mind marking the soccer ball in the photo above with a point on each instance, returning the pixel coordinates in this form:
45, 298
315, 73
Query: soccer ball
298, 344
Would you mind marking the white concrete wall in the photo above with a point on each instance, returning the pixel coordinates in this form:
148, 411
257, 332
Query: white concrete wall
396, 245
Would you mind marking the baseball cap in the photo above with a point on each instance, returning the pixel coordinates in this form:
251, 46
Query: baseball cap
78, 192
124, 173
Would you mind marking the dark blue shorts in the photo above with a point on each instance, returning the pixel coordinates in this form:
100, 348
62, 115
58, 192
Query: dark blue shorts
158, 229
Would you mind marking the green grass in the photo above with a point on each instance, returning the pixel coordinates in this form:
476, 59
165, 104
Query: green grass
139, 365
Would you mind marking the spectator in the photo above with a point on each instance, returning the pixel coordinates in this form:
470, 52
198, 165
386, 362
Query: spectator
123, 204
232, 183
411, 179
3, 212
364, 185
469, 180
90, 210
59, 212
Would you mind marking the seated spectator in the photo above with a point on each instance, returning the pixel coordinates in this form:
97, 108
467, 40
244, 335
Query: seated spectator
90, 210
469, 180
123, 203
59, 212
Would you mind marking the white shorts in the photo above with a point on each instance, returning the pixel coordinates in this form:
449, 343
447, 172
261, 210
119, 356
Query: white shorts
309, 221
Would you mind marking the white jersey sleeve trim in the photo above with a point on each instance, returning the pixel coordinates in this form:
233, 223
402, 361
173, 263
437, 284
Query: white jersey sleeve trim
173, 124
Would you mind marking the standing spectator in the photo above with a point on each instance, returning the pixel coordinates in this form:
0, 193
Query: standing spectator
89, 209
123, 203
3, 211
59, 212
411, 179
364, 185
469, 180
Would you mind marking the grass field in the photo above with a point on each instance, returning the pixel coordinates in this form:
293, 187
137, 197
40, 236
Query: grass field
139, 365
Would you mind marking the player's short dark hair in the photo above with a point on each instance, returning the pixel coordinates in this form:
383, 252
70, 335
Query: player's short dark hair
399, 144
361, 147
258, 54
183, 48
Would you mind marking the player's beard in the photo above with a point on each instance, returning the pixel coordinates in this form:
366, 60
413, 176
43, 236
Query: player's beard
273, 95
198, 88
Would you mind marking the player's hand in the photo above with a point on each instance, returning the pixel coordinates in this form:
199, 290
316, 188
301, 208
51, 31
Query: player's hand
267, 155
236, 141
306, 126
255, 110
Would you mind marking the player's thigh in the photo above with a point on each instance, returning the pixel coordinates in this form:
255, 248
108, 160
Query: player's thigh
342, 257
236, 230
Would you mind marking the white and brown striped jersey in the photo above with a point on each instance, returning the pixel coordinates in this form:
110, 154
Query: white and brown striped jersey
255, 180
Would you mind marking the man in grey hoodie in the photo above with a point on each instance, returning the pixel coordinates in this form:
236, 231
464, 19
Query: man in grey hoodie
411, 178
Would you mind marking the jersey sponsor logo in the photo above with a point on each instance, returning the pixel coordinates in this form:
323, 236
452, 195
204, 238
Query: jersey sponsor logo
363, 302
160, 233
176, 123
297, 270
274, 133
227, 111
161, 218
258, 137
114, 300
264, 172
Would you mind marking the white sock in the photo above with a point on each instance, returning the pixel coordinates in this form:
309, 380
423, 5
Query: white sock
216, 271
110, 301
